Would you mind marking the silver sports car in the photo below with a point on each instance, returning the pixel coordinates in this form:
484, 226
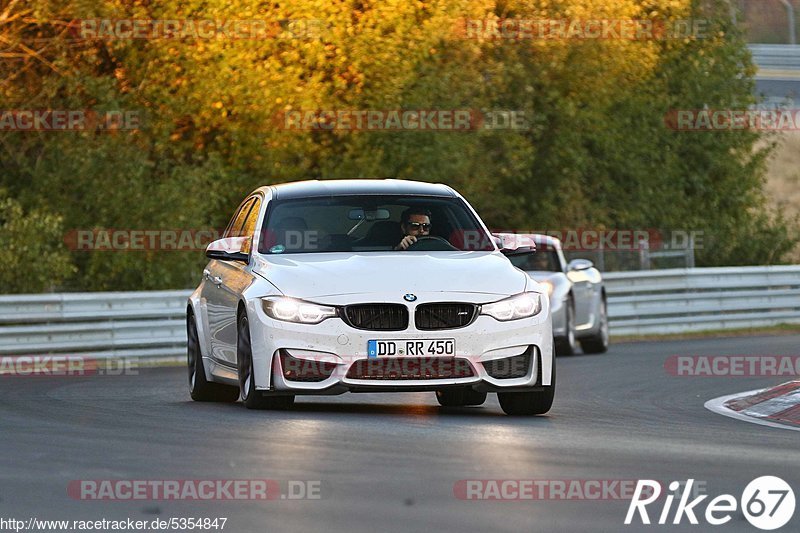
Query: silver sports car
577, 296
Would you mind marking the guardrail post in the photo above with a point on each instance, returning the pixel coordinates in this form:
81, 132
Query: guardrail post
601, 258
790, 15
644, 254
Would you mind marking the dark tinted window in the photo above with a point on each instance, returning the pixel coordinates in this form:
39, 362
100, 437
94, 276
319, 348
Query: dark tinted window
365, 223
541, 261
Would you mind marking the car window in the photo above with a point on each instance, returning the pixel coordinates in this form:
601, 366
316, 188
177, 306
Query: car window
235, 226
542, 260
367, 223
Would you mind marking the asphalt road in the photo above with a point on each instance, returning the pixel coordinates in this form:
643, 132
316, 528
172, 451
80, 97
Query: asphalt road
389, 462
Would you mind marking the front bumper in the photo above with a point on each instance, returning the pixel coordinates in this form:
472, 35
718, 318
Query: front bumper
334, 344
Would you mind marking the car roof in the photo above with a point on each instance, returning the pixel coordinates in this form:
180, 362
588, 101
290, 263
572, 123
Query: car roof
311, 188
547, 240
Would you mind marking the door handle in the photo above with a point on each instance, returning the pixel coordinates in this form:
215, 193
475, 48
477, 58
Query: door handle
216, 280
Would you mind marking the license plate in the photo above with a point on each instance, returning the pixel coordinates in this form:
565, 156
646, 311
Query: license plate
411, 347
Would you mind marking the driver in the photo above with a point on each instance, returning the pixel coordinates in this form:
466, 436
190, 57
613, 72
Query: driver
415, 222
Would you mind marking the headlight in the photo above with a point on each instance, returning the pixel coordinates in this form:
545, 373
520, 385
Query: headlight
549, 286
293, 310
523, 305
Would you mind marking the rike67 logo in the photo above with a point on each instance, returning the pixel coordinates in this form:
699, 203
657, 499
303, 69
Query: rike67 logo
767, 503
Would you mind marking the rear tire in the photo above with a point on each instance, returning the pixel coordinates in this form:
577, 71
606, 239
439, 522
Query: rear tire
599, 342
460, 397
567, 345
252, 398
529, 403
200, 389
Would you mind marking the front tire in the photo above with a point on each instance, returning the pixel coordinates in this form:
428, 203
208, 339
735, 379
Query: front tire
529, 403
200, 389
460, 397
252, 398
567, 345
599, 342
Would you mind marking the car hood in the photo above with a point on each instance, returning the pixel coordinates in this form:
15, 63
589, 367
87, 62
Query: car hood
333, 274
558, 280
546, 275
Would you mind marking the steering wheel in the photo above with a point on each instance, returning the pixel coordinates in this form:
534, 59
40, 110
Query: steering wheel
430, 243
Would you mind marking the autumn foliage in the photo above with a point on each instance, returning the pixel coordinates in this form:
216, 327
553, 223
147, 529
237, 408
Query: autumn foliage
209, 95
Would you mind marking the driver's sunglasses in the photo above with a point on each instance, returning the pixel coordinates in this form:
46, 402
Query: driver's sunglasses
424, 226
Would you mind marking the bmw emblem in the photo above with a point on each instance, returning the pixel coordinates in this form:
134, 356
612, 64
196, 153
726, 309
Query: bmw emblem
410, 297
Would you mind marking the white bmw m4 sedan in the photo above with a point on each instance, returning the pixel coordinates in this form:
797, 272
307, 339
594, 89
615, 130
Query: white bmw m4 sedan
326, 287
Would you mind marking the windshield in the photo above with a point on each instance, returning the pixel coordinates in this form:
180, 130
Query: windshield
370, 223
542, 260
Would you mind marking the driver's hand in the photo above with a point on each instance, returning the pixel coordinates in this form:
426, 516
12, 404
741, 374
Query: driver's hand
407, 241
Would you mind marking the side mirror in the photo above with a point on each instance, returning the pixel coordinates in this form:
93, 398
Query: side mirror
230, 249
513, 244
579, 264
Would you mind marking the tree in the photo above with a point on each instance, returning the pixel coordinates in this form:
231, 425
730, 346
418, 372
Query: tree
596, 152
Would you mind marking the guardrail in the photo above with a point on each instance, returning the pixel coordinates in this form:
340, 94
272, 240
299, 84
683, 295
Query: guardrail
776, 56
697, 299
101, 324
152, 324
